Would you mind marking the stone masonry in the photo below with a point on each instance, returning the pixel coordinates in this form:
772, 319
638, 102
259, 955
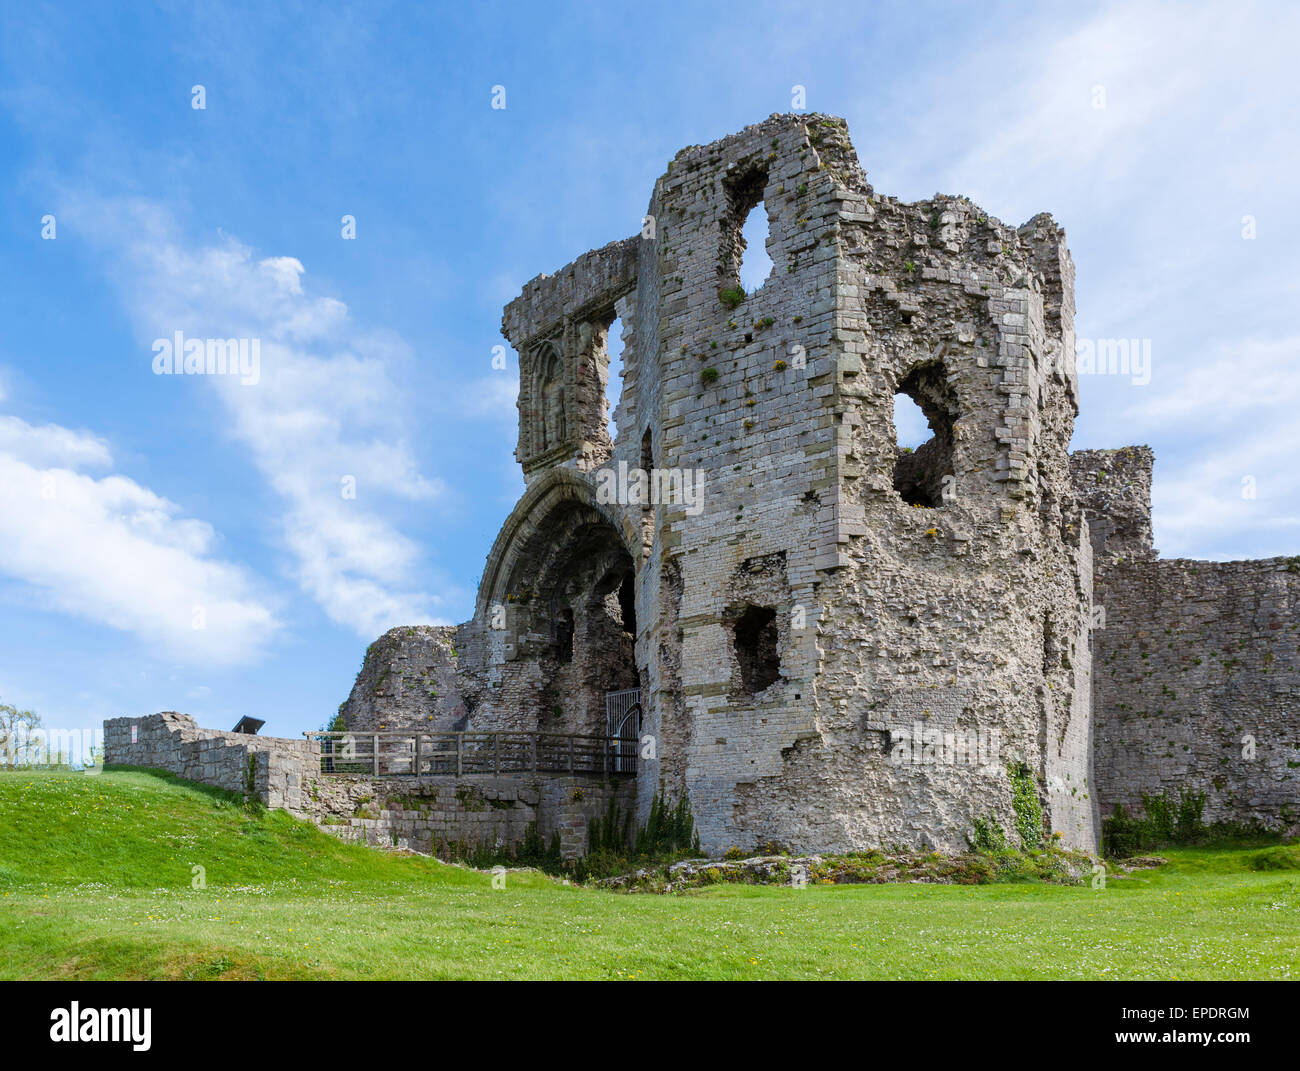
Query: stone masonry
1197, 686
431, 813
828, 598
273, 769
408, 680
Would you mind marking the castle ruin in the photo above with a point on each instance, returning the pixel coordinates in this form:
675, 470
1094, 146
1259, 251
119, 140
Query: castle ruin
820, 638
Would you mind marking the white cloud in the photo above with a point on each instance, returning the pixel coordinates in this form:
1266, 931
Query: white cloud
113, 552
51, 445
1094, 115
325, 419
1234, 411
1090, 104
1231, 388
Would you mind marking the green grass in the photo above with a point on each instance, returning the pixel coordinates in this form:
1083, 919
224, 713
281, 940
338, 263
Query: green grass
95, 882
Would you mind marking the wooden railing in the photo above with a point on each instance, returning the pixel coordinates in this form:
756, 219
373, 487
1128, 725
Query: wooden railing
412, 754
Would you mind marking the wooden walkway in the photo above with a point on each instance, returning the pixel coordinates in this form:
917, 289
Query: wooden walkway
411, 754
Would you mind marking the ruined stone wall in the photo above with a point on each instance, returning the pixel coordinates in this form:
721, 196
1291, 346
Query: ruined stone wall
548, 637
744, 396
1198, 686
659, 591
968, 613
429, 814
271, 768
419, 813
1113, 489
559, 327
546, 641
407, 681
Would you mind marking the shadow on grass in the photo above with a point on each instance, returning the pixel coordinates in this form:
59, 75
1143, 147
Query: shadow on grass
221, 796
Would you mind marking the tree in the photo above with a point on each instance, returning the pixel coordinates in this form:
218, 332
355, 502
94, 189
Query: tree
15, 734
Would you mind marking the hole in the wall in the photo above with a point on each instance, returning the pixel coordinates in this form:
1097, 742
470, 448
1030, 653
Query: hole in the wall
910, 425
647, 507
756, 648
742, 256
627, 603
647, 465
614, 386
921, 466
755, 264
564, 635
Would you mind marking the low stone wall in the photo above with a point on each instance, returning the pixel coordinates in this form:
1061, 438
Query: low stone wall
271, 768
1197, 686
424, 814
419, 813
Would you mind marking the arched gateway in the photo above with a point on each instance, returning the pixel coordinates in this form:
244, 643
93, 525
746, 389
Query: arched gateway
557, 610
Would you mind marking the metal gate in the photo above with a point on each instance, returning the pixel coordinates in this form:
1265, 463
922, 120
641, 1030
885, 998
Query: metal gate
623, 724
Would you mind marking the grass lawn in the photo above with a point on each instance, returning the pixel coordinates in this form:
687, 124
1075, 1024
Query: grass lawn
96, 873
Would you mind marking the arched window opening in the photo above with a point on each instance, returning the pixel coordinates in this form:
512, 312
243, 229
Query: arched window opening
553, 422
755, 264
924, 421
614, 384
743, 261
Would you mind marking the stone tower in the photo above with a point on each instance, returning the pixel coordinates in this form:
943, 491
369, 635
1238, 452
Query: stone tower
838, 643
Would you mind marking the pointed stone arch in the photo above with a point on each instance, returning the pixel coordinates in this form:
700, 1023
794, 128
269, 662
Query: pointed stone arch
561, 584
550, 417
558, 503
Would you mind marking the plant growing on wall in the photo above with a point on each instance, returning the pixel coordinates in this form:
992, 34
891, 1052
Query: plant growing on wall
1024, 801
988, 836
668, 831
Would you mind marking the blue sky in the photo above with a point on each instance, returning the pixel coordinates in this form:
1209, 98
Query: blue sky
1158, 136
